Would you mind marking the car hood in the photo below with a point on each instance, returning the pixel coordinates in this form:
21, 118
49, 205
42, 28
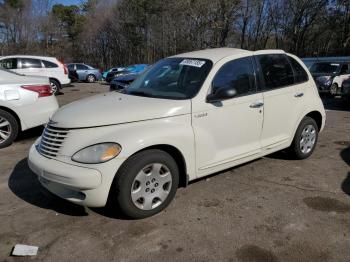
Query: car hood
116, 108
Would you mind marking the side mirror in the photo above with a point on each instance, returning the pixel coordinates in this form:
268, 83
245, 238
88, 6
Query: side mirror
222, 93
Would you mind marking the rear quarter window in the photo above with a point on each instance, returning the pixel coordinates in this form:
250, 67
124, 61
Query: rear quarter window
300, 74
49, 64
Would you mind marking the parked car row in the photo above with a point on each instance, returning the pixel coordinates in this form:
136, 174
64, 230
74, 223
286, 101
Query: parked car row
330, 76
49, 67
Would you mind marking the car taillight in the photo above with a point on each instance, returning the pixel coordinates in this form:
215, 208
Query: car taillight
42, 90
65, 69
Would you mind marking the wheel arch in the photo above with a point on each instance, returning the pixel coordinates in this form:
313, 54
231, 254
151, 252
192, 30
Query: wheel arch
317, 116
15, 115
178, 157
52, 78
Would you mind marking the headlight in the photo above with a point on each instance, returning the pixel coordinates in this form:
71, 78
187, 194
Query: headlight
328, 82
98, 153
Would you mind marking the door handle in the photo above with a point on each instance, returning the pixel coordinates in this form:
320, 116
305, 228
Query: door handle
256, 105
299, 94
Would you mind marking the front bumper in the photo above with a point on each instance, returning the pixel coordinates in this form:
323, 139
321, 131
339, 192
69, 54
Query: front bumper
81, 185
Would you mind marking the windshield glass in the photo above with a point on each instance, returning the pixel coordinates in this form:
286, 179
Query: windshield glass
172, 78
328, 68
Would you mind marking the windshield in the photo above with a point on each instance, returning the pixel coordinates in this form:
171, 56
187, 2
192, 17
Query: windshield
328, 68
172, 78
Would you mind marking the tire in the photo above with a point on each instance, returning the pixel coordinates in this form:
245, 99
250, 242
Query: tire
303, 149
333, 90
8, 129
91, 78
131, 186
55, 86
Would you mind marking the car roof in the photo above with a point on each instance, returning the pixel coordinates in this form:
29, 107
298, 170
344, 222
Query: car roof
30, 56
216, 54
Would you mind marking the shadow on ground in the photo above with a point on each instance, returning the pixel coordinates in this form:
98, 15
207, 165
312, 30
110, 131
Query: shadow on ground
25, 185
345, 155
30, 133
336, 103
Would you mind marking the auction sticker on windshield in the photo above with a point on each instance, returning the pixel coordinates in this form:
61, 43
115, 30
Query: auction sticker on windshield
192, 62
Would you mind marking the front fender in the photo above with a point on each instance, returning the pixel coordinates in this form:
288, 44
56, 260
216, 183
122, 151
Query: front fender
133, 137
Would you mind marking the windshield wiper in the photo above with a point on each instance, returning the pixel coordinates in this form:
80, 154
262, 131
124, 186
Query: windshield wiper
140, 93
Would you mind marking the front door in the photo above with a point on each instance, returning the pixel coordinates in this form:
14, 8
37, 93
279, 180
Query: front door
229, 130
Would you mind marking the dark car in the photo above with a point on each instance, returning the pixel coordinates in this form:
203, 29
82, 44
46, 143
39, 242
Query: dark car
346, 89
122, 82
329, 76
133, 69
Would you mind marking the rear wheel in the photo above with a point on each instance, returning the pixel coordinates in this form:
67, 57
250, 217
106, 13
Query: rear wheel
8, 129
90, 78
305, 139
55, 86
146, 183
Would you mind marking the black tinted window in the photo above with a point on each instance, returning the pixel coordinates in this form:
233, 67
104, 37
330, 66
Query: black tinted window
30, 63
10, 63
48, 64
71, 67
276, 70
81, 67
344, 69
239, 74
300, 73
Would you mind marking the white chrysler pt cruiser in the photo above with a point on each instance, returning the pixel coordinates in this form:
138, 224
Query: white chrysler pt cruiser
186, 117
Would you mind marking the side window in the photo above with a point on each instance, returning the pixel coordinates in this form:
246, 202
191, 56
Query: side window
276, 71
30, 63
10, 63
237, 73
300, 74
81, 67
49, 64
70, 67
344, 69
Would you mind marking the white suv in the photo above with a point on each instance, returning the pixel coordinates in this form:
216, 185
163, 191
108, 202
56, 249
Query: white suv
186, 117
38, 66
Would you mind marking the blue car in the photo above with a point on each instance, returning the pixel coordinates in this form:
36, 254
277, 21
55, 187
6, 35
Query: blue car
113, 69
133, 69
83, 72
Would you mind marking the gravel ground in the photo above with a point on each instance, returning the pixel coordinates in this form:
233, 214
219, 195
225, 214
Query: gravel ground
271, 209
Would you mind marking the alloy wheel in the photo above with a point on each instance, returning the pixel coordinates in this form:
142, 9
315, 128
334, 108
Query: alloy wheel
5, 129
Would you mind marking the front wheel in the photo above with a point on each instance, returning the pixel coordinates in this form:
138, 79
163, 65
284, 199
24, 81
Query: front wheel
146, 183
305, 139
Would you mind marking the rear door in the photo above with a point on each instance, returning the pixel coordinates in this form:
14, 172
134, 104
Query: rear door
280, 99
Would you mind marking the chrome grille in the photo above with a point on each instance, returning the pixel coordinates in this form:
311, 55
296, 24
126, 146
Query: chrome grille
52, 140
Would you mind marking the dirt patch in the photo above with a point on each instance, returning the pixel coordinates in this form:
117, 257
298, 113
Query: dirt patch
210, 203
252, 253
342, 143
326, 204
